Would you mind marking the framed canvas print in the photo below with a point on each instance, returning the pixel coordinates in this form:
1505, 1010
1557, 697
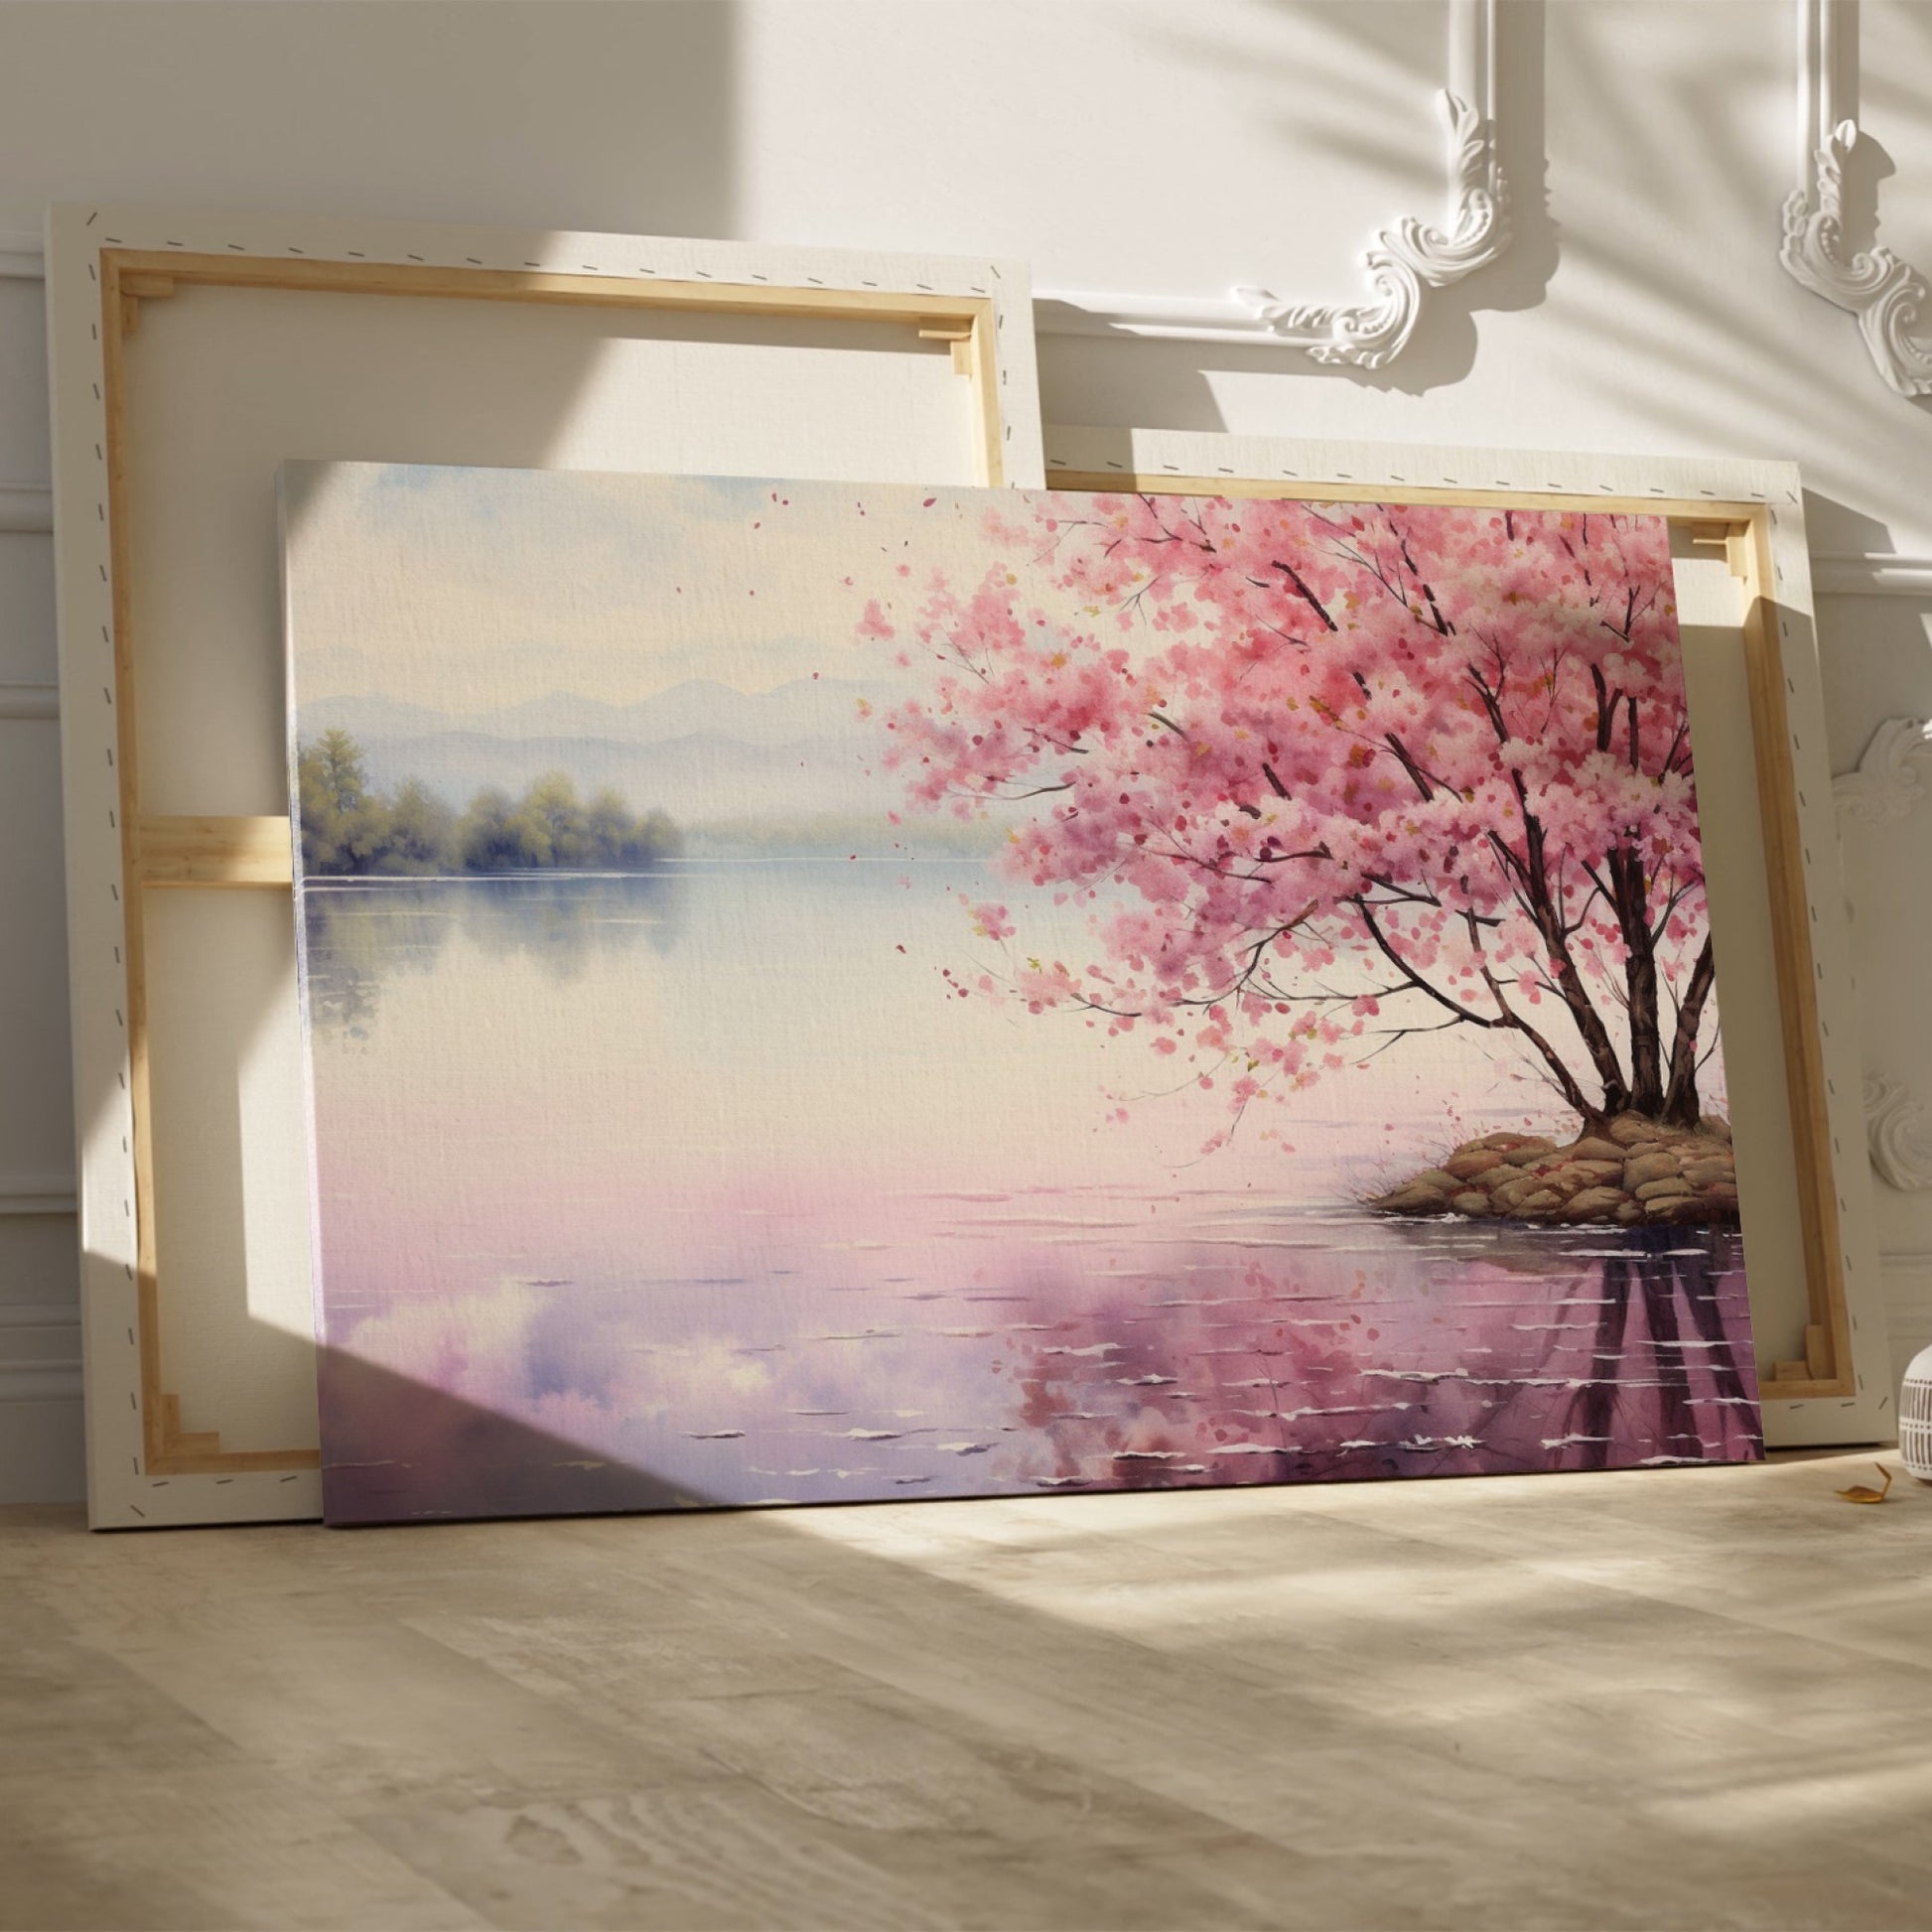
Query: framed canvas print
192, 351
816, 993
1742, 576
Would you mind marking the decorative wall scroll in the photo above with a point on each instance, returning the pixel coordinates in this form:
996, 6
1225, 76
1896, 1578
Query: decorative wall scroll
1888, 295
1406, 262
1899, 1132
1886, 786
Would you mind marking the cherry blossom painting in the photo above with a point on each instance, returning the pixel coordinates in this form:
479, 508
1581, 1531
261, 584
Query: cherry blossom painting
821, 993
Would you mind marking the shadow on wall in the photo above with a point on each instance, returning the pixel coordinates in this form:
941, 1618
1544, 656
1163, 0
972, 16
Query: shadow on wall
346, 109
1371, 48
1444, 350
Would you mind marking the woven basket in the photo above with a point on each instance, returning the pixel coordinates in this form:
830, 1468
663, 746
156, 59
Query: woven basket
1916, 1417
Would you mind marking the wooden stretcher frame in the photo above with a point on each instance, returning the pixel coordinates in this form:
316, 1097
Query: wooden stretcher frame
145, 1466
1752, 514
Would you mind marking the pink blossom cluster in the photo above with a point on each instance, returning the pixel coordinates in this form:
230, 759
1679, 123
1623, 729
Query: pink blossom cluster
1331, 773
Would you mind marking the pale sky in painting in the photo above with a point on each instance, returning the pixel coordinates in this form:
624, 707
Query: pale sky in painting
472, 588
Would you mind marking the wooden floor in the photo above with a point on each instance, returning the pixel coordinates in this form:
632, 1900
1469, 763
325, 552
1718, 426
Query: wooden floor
1658, 1698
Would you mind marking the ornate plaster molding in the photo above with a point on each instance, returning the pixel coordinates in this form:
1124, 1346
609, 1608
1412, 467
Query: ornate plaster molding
1886, 786
1888, 295
1898, 1131
1405, 262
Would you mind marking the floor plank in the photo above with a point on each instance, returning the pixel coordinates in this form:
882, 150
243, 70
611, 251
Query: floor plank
1652, 1697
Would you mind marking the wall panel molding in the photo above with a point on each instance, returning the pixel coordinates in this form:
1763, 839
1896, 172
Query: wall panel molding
37, 1194
39, 1351
1885, 293
1871, 572
1404, 263
29, 701
26, 508
21, 257
1887, 785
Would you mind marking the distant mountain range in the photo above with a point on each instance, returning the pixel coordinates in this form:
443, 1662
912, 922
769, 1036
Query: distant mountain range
701, 751
807, 708
695, 778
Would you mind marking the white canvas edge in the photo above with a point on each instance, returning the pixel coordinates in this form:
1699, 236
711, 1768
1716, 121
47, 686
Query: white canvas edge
1867, 1415
120, 1494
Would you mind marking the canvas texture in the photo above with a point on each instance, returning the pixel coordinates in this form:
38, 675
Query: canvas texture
818, 993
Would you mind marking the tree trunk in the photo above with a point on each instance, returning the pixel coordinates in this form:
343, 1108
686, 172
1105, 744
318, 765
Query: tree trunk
1681, 1106
1639, 983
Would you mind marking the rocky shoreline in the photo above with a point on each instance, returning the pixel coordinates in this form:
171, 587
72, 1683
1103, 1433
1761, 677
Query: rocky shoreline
1629, 1172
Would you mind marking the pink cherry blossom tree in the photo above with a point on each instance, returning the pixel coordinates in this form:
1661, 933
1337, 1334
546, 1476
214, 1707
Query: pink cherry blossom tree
1332, 777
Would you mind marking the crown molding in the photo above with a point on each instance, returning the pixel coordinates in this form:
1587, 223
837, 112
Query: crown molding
1886, 294
1405, 262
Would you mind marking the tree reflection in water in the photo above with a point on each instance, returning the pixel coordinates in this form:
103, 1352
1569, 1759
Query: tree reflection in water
363, 934
1544, 1349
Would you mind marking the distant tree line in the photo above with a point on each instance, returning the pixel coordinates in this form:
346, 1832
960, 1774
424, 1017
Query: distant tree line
349, 826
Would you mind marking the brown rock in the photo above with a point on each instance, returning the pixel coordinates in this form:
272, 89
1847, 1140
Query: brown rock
1628, 1129
1513, 1191
1444, 1183
1725, 1193
1533, 1158
1703, 1174
1594, 1147
1671, 1187
1599, 1173
1563, 1178
1672, 1207
1715, 1126
1467, 1162
1649, 1166
1507, 1143
1639, 1149
1544, 1201
1629, 1212
1471, 1202
1415, 1199
1596, 1202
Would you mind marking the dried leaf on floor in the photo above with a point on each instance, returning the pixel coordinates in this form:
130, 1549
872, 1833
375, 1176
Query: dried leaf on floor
1862, 1493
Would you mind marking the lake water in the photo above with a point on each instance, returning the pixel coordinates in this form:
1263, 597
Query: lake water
708, 1188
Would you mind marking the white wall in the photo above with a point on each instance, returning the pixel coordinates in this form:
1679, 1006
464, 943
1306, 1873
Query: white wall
1123, 145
